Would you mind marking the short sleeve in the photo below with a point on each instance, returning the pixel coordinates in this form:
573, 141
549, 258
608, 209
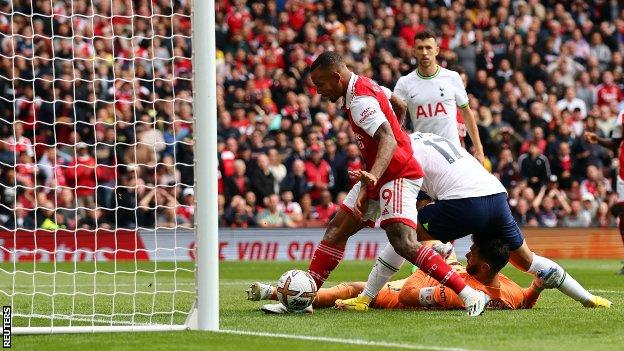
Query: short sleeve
461, 96
399, 89
386, 91
617, 129
446, 298
366, 114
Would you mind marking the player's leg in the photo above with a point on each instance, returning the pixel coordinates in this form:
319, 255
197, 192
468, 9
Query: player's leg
331, 249
522, 258
527, 261
398, 201
388, 263
326, 297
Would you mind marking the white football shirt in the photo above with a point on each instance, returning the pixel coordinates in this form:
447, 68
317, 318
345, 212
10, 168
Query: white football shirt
616, 133
432, 101
450, 171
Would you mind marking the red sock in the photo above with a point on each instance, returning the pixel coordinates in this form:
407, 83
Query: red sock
433, 264
326, 258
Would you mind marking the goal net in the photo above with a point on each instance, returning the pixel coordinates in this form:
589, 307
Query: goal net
96, 164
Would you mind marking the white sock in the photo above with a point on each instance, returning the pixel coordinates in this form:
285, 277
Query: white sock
569, 286
388, 263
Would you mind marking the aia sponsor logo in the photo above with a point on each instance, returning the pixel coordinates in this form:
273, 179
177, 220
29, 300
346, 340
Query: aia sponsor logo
429, 110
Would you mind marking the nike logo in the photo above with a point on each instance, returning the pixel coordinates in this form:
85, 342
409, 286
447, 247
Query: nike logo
413, 96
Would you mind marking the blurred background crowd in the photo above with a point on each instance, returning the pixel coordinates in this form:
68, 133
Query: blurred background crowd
108, 142
95, 114
539, 74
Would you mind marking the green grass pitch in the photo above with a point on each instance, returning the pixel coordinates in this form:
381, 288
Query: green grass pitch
557, 322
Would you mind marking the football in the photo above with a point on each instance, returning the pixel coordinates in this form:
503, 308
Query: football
296, 290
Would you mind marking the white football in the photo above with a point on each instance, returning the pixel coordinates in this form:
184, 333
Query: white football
296, 290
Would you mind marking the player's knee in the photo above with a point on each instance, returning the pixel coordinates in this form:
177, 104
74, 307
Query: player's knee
402, 239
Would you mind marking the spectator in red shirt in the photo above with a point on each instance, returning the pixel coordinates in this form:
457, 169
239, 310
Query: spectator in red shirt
186, 209
538, 139
18, 142
354, 161
608, 91
82, 176
590, 184
326, 209
563, 164
25, 170
237, 16
228, 156
411, 28
318, 172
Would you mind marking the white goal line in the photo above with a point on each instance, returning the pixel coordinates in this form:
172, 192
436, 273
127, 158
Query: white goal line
345, 341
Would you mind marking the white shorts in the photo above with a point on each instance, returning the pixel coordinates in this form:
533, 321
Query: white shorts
397, 203
619, 187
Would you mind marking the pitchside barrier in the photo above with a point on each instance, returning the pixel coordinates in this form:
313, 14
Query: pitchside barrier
265, 244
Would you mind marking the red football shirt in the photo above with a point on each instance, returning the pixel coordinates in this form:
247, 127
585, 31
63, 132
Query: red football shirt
367, 109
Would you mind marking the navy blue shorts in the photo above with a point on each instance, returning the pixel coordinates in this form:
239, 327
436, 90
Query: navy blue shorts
483, 216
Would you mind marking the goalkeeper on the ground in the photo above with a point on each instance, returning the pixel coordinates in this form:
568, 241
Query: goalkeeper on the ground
484, 262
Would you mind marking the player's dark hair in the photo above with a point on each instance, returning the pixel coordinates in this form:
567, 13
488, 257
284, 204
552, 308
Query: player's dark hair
494, 251
327, 60
425, 34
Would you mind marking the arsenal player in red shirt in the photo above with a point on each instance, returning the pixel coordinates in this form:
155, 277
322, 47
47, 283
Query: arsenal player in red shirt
389, 182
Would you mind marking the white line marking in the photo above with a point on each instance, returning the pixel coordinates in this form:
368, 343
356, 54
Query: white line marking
345, 341
608, 291
270, 335
77, 319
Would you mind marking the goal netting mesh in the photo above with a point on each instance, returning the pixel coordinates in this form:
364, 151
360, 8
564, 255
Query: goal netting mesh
96, 162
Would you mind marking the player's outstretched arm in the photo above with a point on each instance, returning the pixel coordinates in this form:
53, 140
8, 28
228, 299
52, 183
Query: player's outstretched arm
545, 279
385, 150
399, 107
609, 143
532, 293
473, 132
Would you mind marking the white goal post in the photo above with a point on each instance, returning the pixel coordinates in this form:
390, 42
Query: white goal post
108, 166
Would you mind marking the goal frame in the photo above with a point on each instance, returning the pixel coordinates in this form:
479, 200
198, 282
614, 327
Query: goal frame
204, 314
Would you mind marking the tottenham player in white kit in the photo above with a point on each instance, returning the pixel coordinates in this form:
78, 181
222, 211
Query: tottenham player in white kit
466, 199
433, 94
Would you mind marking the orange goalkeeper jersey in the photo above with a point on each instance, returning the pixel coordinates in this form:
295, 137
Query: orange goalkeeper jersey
509, 296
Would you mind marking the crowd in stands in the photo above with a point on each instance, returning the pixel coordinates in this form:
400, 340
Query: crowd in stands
539, 74
101, 135
95, 114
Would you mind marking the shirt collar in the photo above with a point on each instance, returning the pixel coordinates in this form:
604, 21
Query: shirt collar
350, 90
